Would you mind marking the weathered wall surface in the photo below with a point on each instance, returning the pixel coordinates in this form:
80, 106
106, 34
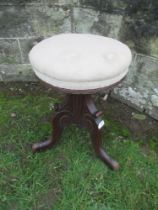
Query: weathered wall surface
25, 22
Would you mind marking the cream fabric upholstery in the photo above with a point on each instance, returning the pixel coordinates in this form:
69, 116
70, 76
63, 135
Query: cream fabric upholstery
80, 61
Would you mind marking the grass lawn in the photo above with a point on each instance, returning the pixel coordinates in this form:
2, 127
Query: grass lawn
69, 177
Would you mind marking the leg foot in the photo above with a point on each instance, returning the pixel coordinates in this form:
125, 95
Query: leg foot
114, 165
42, 146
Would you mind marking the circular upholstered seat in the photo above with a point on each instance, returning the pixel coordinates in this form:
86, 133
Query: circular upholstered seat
80, 61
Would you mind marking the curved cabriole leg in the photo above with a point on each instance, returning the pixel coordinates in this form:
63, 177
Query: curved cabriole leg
93, 124
58, 123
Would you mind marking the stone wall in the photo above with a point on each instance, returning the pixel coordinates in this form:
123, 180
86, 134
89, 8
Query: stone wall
24, 22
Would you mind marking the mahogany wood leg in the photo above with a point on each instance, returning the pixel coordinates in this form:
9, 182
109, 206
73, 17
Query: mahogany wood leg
95, 123
97, 143
58, 124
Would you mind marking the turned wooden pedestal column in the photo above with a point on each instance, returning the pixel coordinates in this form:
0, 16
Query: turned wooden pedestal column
81, 110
